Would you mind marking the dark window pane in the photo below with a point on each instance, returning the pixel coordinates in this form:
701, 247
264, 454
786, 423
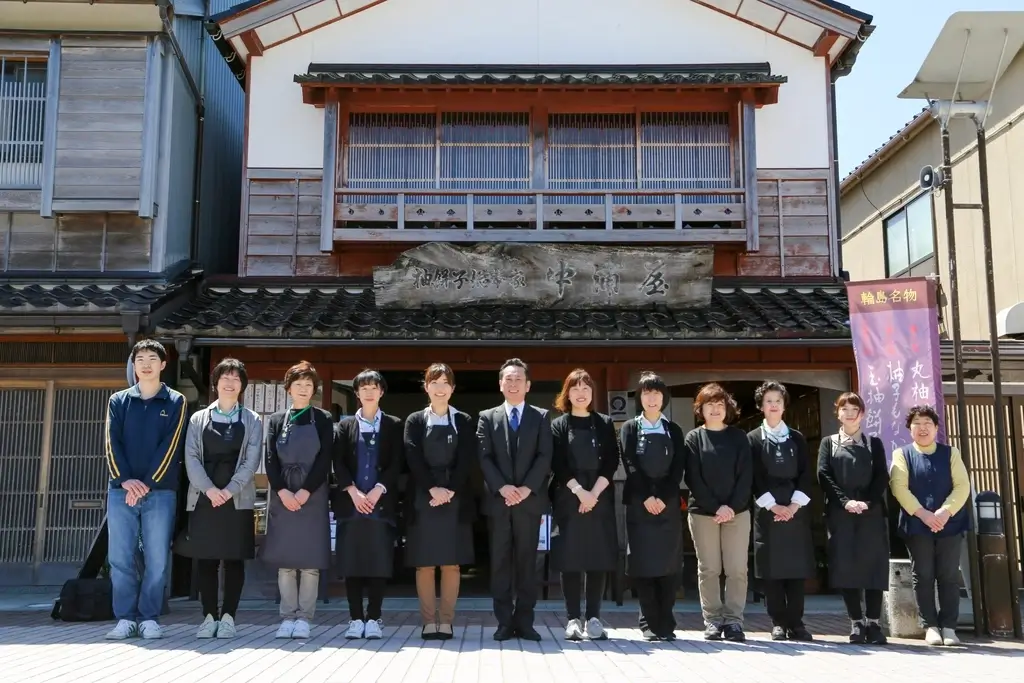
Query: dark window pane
896, 243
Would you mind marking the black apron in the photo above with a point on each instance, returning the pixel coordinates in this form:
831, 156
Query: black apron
585, 542
366, 543
300, 539
858, 545
224, 532
437, 537
654, 541
782, 550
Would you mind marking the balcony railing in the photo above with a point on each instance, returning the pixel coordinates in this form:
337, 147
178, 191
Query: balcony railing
419, 215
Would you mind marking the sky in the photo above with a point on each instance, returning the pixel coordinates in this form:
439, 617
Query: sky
868, 111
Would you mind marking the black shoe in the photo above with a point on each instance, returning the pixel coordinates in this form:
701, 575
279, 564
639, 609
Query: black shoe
778, 633
429, 632
504, 633
734, 633
650, 636
712, 632
874, 634
445, 632
857, 633
800, 633
669, 635
528, 633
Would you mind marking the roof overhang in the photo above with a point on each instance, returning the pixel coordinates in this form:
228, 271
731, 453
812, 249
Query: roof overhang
828, 28
753, 80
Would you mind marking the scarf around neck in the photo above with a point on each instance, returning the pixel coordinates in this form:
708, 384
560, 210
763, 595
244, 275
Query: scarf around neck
778, 434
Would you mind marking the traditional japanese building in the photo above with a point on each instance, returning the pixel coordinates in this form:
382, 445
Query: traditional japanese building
576, 183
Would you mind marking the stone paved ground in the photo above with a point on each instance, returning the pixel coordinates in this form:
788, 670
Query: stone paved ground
34, 649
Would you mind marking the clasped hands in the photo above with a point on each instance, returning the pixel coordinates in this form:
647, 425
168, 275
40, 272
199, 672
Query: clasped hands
364, 502
784, 513
936, 521
219, 496
440, 496
856, 506
514, 495
136, 491
293, 501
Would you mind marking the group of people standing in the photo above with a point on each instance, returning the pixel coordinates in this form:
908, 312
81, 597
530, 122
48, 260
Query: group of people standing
738, 482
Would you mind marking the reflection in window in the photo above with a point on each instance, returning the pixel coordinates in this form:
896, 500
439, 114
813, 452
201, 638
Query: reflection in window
910, 241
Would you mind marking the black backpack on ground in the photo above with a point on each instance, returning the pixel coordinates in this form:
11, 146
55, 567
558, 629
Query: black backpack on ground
85, 600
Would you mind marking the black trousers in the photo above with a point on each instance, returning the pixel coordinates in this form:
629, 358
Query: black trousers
515, 533
373, 588
657, 598
872, 607
784, 600
208, 580
572, 589
936, 559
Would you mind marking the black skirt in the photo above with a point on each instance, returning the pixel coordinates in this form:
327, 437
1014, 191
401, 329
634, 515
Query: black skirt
217, 533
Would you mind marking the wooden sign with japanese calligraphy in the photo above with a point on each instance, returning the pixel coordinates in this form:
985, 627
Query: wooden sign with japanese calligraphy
549, 276
895, 329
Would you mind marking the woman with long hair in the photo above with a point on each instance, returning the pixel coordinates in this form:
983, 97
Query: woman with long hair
854, 477
584, 460
440, 449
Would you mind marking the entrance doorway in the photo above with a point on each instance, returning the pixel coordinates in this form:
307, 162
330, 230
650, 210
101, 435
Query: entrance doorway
475, 391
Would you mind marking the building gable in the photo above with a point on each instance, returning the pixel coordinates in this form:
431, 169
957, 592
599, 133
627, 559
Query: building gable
825, 27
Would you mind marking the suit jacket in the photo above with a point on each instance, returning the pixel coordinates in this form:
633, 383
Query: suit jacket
389, 463
533, 455
420, 476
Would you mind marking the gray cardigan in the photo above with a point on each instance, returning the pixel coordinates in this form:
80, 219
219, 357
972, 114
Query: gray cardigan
242, 485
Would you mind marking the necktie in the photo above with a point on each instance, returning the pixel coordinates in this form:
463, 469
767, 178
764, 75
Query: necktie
513, 420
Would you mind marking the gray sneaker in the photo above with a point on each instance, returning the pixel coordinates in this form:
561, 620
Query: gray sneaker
124, 630
595, 629
207, 629
226, 629
150, 630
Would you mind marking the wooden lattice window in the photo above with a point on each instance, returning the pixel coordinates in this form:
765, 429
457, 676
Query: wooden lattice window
22, 117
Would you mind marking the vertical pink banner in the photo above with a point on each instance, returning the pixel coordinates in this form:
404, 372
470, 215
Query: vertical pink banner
895, 328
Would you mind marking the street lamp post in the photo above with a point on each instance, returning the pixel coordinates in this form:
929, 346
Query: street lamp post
959, 78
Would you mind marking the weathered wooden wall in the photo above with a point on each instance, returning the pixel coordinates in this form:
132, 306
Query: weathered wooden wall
280, 233
74, 242
795, 241
281, 228
99, 121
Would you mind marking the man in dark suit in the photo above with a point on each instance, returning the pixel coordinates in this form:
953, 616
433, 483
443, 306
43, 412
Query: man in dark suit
515, 446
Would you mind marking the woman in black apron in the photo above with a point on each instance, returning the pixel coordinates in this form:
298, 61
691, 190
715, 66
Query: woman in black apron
584, 461
222, 452
854, 477
783, 545
655, 461
300, 443
367, 464
440, 448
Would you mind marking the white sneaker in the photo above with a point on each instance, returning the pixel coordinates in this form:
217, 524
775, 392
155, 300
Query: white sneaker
208, 629
574, 630
301, 629
227, 627
285, 629
595, 629
932, 636
949, 637
150, 630
356, 629
124, 630
374, 629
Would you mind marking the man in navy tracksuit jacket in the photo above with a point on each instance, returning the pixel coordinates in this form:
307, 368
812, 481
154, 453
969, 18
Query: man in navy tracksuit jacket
145, 437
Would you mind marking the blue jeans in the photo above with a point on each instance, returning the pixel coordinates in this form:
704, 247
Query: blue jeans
154, 514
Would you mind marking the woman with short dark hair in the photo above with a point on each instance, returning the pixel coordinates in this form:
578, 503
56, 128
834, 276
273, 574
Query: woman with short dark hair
930, 482
719, 474
853, 475
367, 464
655, 461
440, 449
222, 453
300, 441
783, 545
583, 462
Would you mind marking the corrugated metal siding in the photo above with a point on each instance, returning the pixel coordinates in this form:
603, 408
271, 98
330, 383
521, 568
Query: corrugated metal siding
78, 474
220, 194
21, 423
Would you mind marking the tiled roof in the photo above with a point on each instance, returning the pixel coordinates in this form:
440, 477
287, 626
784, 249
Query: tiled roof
40, 297
432, 74
336, 312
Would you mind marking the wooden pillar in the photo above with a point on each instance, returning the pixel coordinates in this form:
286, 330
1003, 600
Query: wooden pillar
747, 124
330, 173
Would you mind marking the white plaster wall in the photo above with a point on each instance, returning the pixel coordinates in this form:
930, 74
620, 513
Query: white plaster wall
285, 133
